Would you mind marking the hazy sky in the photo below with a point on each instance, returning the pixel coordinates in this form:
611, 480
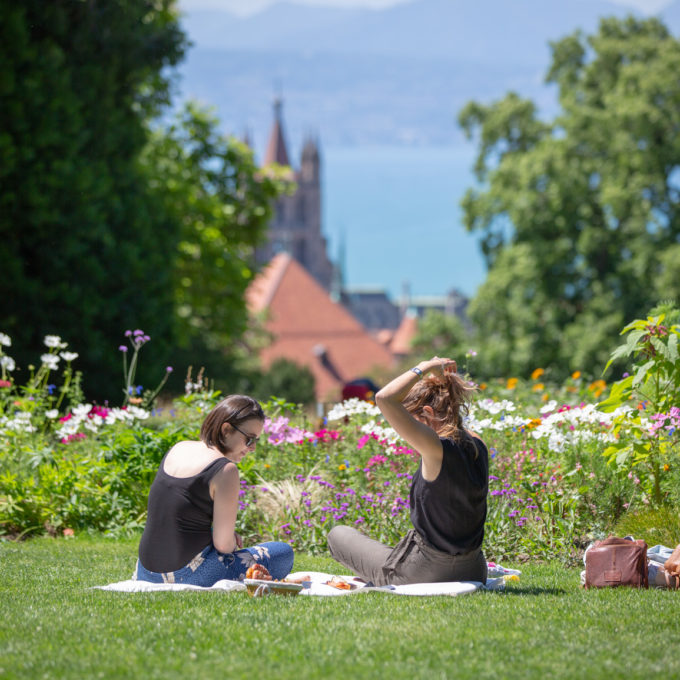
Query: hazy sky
245, 7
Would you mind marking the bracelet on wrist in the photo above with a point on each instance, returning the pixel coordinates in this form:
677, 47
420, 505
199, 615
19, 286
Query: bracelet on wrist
418, 372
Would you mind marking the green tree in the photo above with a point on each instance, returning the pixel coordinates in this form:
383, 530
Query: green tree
578, 215
440, 334
285, 379
81, 249
211, 187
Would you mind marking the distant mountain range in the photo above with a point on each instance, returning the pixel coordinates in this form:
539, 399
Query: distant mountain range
379, 77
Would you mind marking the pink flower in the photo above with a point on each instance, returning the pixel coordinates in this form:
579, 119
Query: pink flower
364, 440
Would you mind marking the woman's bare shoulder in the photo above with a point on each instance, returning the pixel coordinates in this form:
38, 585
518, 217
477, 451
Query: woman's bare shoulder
188, 458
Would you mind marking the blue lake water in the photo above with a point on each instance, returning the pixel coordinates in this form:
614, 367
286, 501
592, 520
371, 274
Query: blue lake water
398, 211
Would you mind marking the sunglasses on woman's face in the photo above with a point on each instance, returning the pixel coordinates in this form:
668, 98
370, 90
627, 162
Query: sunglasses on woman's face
250, 438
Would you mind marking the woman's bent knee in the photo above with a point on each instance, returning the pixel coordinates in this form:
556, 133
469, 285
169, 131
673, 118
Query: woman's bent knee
334, 537
281, 558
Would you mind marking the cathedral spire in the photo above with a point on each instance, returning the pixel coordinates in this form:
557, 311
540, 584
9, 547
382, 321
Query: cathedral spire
276, 148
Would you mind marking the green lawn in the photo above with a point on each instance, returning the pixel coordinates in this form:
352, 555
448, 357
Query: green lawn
52, 625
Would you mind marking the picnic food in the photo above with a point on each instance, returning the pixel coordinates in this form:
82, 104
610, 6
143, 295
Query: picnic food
258, 571
302, 578
340, 583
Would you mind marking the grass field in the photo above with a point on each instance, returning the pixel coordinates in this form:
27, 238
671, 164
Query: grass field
53, 625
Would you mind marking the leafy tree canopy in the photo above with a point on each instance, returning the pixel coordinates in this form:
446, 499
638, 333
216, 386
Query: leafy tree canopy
107, 221
210, 185
578, 216
79, 245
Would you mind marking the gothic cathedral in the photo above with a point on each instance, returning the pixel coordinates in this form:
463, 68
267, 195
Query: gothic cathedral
296, 225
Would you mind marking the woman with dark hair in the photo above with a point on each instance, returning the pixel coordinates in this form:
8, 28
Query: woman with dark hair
426, 405
190, 534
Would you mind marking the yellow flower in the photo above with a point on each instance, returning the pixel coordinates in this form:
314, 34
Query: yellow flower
545, 396
482, 386
538, 387
597, 387
538, 372
342, 467
576, 375
666, 467
267, 465
534, 422
512, 383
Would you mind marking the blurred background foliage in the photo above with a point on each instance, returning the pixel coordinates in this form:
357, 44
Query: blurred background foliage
578, 216
111, 217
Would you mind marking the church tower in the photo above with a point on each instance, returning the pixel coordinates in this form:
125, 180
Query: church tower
296, 225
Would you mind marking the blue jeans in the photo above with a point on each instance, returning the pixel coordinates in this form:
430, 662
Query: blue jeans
210, 566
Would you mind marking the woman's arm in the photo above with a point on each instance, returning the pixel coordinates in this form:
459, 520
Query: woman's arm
419, 433
225, 486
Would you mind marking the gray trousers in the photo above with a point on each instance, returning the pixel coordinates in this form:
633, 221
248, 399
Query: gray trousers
410, 561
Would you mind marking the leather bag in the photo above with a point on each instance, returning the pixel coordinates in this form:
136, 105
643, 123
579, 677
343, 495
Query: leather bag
616, 562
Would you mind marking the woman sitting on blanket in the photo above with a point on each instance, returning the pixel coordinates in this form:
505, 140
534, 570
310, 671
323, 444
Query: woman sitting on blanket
425, 405
190, 532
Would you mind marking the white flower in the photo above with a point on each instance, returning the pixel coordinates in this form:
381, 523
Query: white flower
7, 363
50, 360
381, 433
138, 413
68, 428
550, 406
82, 410
5, 340
52, 413
352, 407
52, 341
20, 423
68, 356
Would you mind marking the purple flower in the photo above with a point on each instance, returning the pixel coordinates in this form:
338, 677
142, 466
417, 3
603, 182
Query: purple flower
169, 369
128, 334
122, 348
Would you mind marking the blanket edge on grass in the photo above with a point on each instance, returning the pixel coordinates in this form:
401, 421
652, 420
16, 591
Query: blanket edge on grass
317, 587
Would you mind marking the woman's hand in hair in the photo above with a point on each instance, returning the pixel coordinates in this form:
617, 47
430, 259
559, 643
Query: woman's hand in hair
438, 366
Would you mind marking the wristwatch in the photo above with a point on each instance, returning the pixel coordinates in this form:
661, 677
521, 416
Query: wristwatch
418, 372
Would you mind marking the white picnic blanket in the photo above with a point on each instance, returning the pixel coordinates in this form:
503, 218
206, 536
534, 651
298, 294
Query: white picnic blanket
316, 585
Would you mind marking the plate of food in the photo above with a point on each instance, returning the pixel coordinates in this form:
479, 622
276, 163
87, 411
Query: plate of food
259, 588
341, 583
259, 583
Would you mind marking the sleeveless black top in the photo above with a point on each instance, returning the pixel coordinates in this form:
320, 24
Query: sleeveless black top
449, 512
179, 519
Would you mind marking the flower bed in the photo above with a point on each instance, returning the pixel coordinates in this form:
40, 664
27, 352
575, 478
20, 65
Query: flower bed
67, 465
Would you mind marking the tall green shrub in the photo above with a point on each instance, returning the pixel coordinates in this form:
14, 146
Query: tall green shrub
85, 247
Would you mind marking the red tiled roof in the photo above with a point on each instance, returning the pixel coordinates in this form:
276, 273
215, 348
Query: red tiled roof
403, 336
312, 330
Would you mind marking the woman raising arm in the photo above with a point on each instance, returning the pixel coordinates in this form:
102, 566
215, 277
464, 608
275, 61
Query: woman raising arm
447, 499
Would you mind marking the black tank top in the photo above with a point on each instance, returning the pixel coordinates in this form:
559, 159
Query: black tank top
179, 519
449, 512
